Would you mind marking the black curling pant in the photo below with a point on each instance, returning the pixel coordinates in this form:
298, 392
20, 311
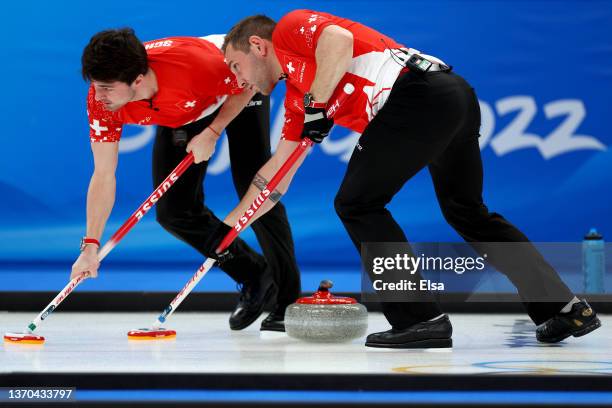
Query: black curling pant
433, 120
182, 212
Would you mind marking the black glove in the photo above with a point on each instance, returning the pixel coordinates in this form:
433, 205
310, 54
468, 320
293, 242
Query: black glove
213, 241
316, 124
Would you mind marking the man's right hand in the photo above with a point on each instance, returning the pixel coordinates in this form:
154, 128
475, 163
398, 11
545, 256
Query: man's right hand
203, 145
87, 263
316, 124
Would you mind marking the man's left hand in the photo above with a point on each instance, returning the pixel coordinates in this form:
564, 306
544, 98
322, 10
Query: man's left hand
214, 240
316, 124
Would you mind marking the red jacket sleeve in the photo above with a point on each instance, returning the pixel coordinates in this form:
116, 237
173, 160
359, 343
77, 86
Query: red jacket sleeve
294, 115
299, 31
104, 125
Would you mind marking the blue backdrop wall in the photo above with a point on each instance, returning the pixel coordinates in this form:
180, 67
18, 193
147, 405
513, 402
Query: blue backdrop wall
542, 70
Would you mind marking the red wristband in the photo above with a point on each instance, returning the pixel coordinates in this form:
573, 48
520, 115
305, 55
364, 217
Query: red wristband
214, 131
318, 105
87, 241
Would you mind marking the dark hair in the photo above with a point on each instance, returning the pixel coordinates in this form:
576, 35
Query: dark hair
258, 25
114, 55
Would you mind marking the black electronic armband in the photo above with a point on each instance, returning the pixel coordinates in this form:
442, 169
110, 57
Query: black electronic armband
416, 63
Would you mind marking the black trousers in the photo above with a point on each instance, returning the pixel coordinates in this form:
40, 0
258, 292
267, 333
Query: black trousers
182, 212
433, 120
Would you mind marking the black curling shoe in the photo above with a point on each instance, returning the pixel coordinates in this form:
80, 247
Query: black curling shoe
254, 295
579, 321
430, 334
275, 320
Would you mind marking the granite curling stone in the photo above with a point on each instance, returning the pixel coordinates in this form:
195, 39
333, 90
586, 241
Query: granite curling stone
326, 318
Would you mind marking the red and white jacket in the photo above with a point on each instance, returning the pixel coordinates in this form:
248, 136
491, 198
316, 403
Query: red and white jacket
193, 81
372, 72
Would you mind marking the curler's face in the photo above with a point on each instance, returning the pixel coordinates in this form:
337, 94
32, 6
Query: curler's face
114, 95
251, 69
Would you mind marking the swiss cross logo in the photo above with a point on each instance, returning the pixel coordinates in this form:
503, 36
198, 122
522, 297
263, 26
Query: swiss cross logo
308, 34
95, 126
313, 18
187, 106
295, 68
227, 80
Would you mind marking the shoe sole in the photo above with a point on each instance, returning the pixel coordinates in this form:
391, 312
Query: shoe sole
429, 343
269, 293
595, 324
274, 329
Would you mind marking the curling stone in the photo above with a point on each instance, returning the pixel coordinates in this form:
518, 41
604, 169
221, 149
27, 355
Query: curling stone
326, 318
